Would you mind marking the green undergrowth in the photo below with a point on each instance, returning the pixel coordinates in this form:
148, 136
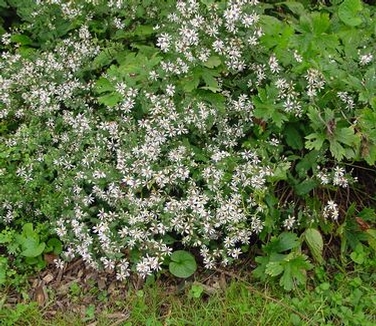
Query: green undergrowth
344, 299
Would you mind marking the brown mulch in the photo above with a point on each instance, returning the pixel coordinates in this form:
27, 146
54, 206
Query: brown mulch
70, 291
73, 289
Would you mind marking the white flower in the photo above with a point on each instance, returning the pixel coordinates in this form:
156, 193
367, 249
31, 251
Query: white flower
365, 59
59, 263
164, 42
289, 222
331, 210
170, 90
273, 64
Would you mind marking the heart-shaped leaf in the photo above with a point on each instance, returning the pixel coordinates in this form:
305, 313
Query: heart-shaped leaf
183, 264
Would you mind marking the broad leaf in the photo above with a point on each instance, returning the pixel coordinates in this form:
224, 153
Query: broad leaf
315, 243
213, 62
274, 268
183, 264
348, 12
287, 241
32, 247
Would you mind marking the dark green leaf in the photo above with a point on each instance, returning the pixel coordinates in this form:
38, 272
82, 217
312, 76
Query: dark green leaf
293, 137
287, 241
183, 264
305, 187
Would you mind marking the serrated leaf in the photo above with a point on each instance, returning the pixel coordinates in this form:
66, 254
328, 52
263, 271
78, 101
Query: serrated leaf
337, 150
315, 243
348, 12
286, 280
315, 118
183, 264
320, 22
190, 83
103, 85
274, 268
104, 58
295, 266
287, 241
212, 62
346, 136
315, 141
110, 100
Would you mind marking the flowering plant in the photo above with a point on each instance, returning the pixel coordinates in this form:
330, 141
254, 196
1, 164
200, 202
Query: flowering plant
135, 136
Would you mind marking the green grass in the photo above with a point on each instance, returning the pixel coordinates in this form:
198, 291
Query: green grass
346, 299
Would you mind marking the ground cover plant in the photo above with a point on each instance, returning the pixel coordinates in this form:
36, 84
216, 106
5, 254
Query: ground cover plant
146, 136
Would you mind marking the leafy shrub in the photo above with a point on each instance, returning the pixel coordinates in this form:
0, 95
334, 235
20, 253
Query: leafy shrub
134, 131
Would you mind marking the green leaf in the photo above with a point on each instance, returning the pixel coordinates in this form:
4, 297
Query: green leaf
3, 270
287, 281
315, 118
293, 137
183, 264
110, 99
104, 58
32, 247
211, 83
320, 23
295, 7
28, 231
315, 243
295, 266
357, 257
337, 150
315, 141
348, 12
346, 136
103, 85
196, 290
21, 39
144, 30
55, 246
274, 268
213, 62
305, 187
190, 83
287, 241
371, 233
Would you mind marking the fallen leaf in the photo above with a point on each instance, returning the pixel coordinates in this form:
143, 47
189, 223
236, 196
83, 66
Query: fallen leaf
40, 294
364, 226
49, 258
48, 278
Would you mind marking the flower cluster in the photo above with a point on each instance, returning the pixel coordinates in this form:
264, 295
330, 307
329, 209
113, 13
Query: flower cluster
331, 210
128, 153
337, 177
127, 180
